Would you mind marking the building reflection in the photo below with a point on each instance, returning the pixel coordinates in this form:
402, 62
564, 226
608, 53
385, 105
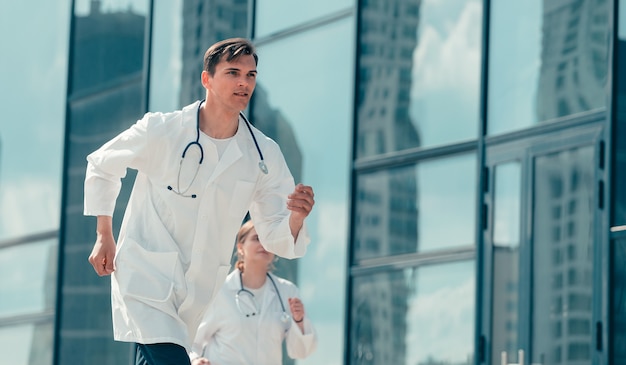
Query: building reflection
505, 309
574, 55
273, 123
204, 23
386, 214
106, 95
563, 259
573, 77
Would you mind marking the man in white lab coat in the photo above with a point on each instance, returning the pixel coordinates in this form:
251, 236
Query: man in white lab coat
200, 170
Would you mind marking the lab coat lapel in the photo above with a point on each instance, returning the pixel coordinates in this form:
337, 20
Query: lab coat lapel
233, 152
230, 156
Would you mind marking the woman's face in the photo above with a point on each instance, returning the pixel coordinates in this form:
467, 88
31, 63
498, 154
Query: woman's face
253, 251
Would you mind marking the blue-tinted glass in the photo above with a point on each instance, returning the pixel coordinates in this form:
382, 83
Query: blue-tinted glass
201, 24
619, 132
417, 208
276, 15
107, 94
506, 258
562, 266
167, 56
618, 302
419, 74
507, 204
308, 112
547, 59
28, 274
27, 344
421, 315
33, 78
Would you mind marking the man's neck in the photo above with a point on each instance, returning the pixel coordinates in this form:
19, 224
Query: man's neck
218, 123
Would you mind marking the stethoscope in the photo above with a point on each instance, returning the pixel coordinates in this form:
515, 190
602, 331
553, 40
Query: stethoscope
285, 318
183, 193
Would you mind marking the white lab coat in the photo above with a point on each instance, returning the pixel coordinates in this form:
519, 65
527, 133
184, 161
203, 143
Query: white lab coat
174, 252
227, 337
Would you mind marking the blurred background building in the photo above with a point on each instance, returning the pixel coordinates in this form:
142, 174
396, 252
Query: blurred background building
468, 159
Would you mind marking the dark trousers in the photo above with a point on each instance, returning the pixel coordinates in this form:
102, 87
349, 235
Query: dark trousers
161, 354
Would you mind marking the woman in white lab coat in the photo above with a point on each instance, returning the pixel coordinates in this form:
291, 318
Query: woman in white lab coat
253, 313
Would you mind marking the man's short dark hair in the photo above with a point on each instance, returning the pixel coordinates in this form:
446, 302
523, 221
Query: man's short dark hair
228, 49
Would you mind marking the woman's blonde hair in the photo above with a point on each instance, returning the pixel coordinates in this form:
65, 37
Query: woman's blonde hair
243, 233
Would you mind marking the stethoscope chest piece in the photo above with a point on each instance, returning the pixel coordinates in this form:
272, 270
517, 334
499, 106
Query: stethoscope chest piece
263, 167
285, 318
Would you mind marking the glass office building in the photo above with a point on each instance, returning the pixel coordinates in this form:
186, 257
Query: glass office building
468, 159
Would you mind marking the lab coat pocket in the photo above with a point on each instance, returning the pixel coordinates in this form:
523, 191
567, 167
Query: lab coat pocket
241, 198
144, 274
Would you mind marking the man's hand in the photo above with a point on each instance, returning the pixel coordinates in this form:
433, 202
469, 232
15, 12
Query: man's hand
300, 202
103, 253
200, 361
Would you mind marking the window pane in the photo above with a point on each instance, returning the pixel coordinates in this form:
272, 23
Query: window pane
421, 315
506, 260
27, 344
107, 95
563, 265
276, 15
619, 131
618, 303
203, 23
309, 114
413, 68
506, 210
546, 60
33, 80
28, 275
423, 207
166, 58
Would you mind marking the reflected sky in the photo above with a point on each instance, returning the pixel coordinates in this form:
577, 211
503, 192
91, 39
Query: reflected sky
270, 19
441, 314
12, 340
33, 82
506, 211
24, 271
512, 95
318, 109
560, 53
166, 56
419, 315
446, 71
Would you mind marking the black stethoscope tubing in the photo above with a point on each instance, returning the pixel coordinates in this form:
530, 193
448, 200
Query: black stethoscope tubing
244, 290
262, 165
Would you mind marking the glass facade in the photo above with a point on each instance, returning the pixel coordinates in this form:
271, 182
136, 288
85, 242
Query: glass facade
33, 82
559, 51
466, 158
304, 116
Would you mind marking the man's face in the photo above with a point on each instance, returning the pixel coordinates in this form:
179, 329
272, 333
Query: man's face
233, 83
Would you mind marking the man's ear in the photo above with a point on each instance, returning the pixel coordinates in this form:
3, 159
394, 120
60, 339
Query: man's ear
206, 79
